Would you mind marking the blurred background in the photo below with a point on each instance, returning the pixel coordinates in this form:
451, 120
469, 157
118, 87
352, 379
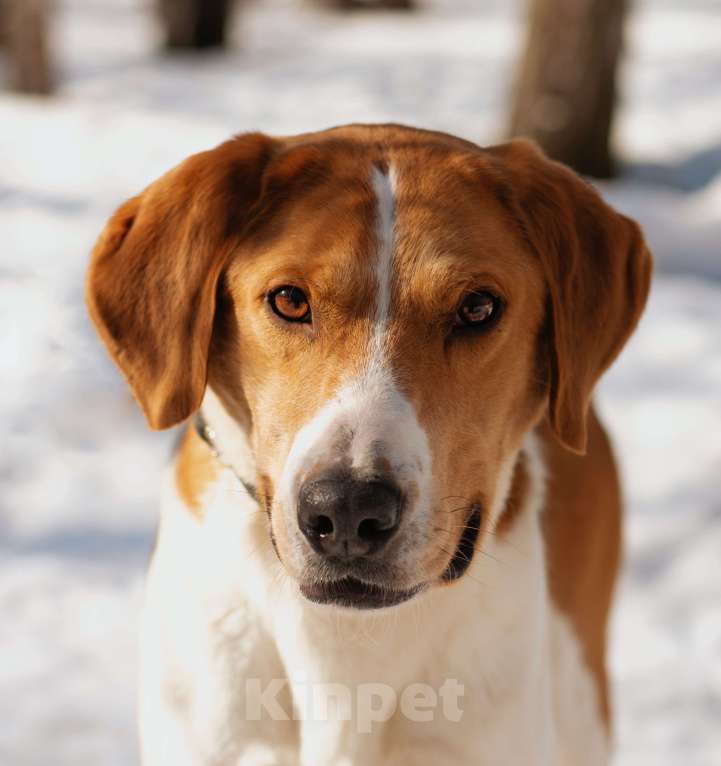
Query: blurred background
102, 96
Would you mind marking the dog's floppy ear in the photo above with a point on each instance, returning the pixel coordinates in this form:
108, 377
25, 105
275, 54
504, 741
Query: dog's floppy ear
153, 275
597, 270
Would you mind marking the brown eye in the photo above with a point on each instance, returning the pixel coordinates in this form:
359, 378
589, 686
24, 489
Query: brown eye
478, 309
290, 303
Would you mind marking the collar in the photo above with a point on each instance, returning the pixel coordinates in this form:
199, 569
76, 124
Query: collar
207, 433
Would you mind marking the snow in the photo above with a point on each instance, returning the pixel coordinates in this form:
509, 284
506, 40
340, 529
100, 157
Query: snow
79, 471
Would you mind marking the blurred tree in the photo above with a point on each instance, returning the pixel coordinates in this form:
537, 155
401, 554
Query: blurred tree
565, 92
195, 24
24, 32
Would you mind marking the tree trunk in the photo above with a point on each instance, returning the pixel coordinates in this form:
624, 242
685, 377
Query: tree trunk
369, 5
25, 34
3, 23
565, 92
195, 24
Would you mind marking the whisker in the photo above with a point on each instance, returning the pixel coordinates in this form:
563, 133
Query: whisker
466, 500
469, 509
467, 573
490, 556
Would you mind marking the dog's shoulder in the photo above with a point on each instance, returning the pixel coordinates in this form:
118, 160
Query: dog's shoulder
582, 528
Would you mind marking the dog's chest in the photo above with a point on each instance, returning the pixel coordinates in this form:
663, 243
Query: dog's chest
241, 658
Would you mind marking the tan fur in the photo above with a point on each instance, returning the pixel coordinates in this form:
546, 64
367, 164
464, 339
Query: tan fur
195, 470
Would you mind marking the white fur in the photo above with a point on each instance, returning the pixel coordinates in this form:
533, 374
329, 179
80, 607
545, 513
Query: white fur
220, 609
230, 441
384, 188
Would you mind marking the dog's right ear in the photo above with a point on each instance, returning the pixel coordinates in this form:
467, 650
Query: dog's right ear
154, 272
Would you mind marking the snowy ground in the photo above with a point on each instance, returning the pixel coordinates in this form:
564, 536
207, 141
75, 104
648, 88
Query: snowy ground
78, 472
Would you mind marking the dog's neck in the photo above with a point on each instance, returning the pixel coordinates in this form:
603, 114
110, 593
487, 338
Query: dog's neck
227, 440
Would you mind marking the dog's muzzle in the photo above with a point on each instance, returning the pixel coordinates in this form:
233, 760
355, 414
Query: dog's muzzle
348, 523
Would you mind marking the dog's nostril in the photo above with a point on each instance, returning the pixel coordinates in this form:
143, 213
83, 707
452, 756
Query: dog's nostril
374, 530
321, 525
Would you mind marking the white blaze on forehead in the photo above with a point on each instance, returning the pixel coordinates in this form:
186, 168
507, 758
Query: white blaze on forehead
384, 188
376, 396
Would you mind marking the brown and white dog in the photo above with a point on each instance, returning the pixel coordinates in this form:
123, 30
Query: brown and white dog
401, 489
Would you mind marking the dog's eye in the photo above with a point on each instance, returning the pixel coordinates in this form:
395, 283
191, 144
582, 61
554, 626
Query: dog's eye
290, 303
478, 309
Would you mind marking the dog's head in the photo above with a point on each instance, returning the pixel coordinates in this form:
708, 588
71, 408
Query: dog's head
386, 313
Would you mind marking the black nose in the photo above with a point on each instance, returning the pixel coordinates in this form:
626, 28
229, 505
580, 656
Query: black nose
348, 518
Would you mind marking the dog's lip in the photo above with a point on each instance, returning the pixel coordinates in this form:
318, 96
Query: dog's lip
466, 548
352, 593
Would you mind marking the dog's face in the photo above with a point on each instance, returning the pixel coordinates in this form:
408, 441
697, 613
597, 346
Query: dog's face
387, 354
387, 313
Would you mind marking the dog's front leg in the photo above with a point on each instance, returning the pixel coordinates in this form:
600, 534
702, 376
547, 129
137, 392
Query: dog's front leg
211, 693
208, 665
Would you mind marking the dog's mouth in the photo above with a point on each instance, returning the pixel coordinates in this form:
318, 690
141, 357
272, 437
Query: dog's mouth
351, 593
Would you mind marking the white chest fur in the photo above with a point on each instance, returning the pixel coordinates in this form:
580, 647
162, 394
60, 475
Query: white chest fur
238, 669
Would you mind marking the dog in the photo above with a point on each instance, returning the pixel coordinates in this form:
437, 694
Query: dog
393, 495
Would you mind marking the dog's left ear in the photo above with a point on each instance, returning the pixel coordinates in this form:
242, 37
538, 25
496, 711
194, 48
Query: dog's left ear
597, 269
153, 276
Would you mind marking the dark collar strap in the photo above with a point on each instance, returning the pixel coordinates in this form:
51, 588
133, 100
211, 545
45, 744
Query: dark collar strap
207, 434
